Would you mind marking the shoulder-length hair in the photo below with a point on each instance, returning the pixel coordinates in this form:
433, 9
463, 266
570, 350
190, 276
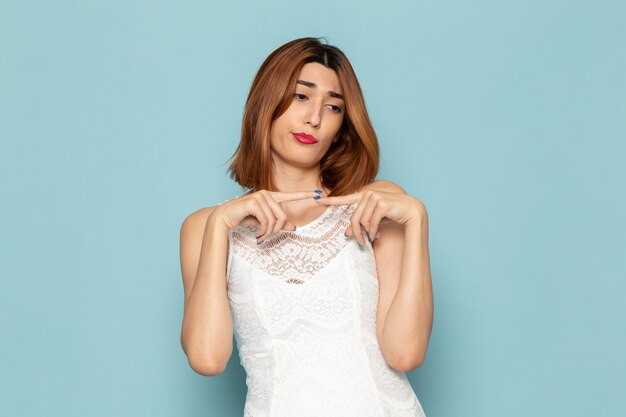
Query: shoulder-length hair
349, 164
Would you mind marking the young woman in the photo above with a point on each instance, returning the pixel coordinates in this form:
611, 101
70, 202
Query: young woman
321, 272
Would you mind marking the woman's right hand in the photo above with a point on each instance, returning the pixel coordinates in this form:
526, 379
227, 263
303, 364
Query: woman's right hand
261, 209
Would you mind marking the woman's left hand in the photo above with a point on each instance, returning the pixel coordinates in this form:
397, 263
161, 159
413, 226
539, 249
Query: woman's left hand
375, 207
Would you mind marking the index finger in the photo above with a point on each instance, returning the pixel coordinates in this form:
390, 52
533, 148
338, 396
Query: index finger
340, 199
280, 196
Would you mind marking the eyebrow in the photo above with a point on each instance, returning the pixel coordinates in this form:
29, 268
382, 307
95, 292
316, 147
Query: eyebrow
313, 85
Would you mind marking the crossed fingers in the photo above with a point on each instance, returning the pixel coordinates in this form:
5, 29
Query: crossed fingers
370, 211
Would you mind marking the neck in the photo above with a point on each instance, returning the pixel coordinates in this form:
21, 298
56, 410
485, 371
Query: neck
291, 178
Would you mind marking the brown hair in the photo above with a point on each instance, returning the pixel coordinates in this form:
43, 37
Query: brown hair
350, 163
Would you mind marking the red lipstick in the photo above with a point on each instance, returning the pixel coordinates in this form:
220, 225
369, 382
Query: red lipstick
305, 138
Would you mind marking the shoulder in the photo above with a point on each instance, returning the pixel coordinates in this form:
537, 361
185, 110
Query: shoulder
384, 185
390, 187
195, 222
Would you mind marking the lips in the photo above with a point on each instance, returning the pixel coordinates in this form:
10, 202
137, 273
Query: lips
304, 138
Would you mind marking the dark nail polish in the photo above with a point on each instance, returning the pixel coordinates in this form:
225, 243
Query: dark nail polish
317, 197
360, 246
294, 229
318, 191
259, 242
368, 237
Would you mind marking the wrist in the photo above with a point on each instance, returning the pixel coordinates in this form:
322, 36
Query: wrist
418, 219
215, 223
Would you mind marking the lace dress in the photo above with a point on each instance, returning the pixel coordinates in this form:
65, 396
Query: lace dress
304, 318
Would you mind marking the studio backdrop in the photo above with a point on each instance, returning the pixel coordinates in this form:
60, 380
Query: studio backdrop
506, 119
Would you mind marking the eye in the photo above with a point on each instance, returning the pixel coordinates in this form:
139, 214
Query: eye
335, 109
299, 96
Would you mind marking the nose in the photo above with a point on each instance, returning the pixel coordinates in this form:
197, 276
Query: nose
313, 117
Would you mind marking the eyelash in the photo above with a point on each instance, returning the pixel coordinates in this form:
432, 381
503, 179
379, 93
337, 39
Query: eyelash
335, 109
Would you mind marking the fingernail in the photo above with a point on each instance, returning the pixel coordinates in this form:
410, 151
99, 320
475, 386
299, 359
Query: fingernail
259, 242
318, 191
345, 234
294, 229
368, 237
360, 246
317, 197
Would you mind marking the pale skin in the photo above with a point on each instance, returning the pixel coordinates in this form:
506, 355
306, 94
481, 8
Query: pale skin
397, 222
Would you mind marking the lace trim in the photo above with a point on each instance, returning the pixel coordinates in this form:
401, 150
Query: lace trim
295, 257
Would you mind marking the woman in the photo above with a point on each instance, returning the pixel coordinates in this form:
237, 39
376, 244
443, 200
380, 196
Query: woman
325, 271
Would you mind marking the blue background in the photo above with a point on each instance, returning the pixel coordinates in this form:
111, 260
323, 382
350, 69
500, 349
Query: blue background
506, 118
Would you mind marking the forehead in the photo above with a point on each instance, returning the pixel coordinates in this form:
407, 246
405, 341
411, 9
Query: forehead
325, 78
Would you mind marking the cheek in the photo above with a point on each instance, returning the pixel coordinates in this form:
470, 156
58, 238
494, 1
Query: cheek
283, 123
277, 126
336, 126
279, 133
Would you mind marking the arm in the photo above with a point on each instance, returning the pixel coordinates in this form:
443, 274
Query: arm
207, 330
405, 306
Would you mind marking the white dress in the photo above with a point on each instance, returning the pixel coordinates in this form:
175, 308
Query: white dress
304, 318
